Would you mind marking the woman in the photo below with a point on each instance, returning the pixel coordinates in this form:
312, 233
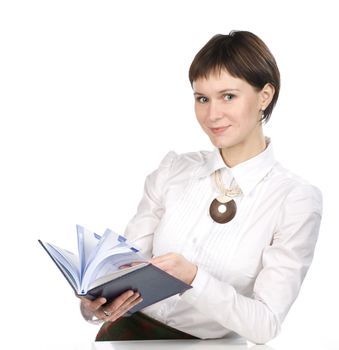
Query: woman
233, 222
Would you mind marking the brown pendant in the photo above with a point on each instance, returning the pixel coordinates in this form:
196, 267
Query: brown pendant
223, 209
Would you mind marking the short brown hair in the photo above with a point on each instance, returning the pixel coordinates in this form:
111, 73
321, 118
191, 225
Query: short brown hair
243, 55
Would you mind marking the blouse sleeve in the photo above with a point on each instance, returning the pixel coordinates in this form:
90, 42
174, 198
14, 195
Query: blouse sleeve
285, 263
141, 227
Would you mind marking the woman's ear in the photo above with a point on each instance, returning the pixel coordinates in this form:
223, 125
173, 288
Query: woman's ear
266, 94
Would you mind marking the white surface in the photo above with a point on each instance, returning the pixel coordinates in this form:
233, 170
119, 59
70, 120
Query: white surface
171, 344
82, 80
200, 344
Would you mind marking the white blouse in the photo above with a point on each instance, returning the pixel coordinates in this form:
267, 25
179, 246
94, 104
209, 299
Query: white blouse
250, 269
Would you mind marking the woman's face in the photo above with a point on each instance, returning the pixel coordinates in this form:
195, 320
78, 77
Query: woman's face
228, 109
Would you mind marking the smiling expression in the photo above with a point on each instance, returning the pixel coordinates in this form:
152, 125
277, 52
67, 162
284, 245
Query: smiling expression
228, 109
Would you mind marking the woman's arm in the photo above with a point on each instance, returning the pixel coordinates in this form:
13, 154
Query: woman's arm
141, 227
140, 232
285, 263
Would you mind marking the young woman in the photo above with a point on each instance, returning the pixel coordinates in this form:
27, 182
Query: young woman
233, 222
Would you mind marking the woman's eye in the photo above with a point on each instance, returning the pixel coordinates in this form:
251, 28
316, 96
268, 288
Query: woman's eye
228, 97
202, 99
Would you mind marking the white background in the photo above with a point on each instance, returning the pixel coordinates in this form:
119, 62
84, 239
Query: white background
94, 93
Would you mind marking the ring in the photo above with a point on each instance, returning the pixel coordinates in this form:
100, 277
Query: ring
107, 313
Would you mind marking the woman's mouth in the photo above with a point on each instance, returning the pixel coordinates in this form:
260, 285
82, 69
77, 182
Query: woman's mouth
219, 130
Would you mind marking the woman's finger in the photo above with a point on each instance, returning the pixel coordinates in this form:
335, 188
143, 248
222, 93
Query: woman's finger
93, 305
112, 307
112, 313
129, 304
131, 264
161, 258
117, 302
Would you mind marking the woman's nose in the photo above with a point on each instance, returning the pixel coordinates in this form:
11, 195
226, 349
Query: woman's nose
215, 112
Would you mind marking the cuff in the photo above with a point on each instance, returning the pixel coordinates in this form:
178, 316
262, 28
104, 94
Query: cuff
199, 285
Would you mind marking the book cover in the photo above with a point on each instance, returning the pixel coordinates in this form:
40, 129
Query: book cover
108, 265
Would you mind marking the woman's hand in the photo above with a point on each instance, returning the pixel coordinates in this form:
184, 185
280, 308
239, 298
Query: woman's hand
112, 311
177, 266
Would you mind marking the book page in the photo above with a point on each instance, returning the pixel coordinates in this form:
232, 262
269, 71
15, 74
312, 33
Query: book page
68, 261
108, 263
98, 257
87, 244
111, 276
108, 241
115, 262
113, 251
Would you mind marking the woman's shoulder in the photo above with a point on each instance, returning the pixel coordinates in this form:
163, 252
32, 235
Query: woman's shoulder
178, 162
287, 175
295, 186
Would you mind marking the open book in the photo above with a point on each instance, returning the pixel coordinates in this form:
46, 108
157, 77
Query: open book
108, 265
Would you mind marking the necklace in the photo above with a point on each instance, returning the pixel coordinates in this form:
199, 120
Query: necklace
223, 208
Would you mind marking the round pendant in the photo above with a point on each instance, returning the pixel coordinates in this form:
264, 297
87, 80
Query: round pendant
223, 211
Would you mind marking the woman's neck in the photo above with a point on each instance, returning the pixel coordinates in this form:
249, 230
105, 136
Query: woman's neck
241, 152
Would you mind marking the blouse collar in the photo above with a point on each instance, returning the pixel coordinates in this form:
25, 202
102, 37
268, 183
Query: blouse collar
246, 174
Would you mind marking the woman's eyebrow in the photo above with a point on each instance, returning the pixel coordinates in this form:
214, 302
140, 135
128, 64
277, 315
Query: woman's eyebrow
219, 92
227, 90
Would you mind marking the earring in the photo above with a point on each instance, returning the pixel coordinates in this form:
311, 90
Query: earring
262, 114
